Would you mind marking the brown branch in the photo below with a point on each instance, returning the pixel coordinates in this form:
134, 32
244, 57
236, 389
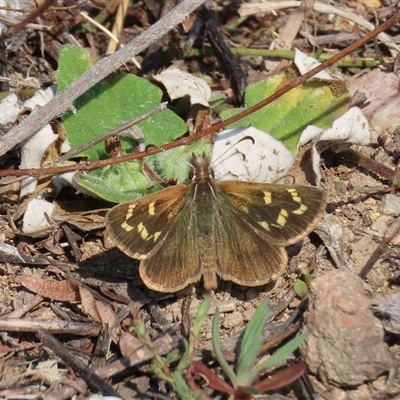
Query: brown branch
30, 18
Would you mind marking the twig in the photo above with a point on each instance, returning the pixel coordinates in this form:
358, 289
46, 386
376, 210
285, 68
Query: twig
11, 21
379, 250
57, 327
252, 8
347, 62
30, 17
96, 383
372, 165
64, 101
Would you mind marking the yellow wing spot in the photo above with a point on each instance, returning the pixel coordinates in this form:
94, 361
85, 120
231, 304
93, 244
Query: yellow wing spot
295, 195
156, 235
282, 218
143, 231
265, 225
129, 214
144, 234
267, 197
152, 208
126, 227
301, 210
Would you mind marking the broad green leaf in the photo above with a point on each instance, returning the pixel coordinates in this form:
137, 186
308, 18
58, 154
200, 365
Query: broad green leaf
115, 100
119, 182
173, 165
127, 181
317, 102
251, 344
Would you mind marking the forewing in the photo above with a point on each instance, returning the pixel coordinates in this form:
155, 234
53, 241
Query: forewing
282, 214
139, 227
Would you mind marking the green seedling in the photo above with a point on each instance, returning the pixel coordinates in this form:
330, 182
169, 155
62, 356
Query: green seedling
244, 380
161, 366
342, 189
300, 287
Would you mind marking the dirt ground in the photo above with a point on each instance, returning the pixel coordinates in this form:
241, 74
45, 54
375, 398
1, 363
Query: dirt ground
80, 294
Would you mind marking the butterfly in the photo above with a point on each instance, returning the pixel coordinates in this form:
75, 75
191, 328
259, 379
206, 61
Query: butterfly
233, 230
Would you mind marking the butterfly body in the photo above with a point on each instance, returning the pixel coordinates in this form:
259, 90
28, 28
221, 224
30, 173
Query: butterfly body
232, 229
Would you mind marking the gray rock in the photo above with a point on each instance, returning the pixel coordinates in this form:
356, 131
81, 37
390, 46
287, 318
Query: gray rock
346, 344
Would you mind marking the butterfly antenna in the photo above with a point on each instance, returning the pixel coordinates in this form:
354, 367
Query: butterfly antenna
233, 145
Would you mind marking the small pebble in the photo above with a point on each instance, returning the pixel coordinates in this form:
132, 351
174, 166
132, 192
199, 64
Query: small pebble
390, 205
294, 303
233, 320
348, 235
374, 216
248, 314
378, 228
370, 201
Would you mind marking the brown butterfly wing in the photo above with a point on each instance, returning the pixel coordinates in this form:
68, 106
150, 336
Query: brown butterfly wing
244, 256
176, 263
281, 214
238, 235
212, 240
140, 227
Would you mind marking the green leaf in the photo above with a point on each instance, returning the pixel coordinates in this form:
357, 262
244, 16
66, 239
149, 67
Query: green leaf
117, 99
251, 344
180, 385
118, 183
217, 349
317, 102
282, 353
300, 288
173, 165
127, 181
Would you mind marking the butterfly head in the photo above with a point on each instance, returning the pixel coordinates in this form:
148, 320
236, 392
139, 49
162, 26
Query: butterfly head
201, 170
